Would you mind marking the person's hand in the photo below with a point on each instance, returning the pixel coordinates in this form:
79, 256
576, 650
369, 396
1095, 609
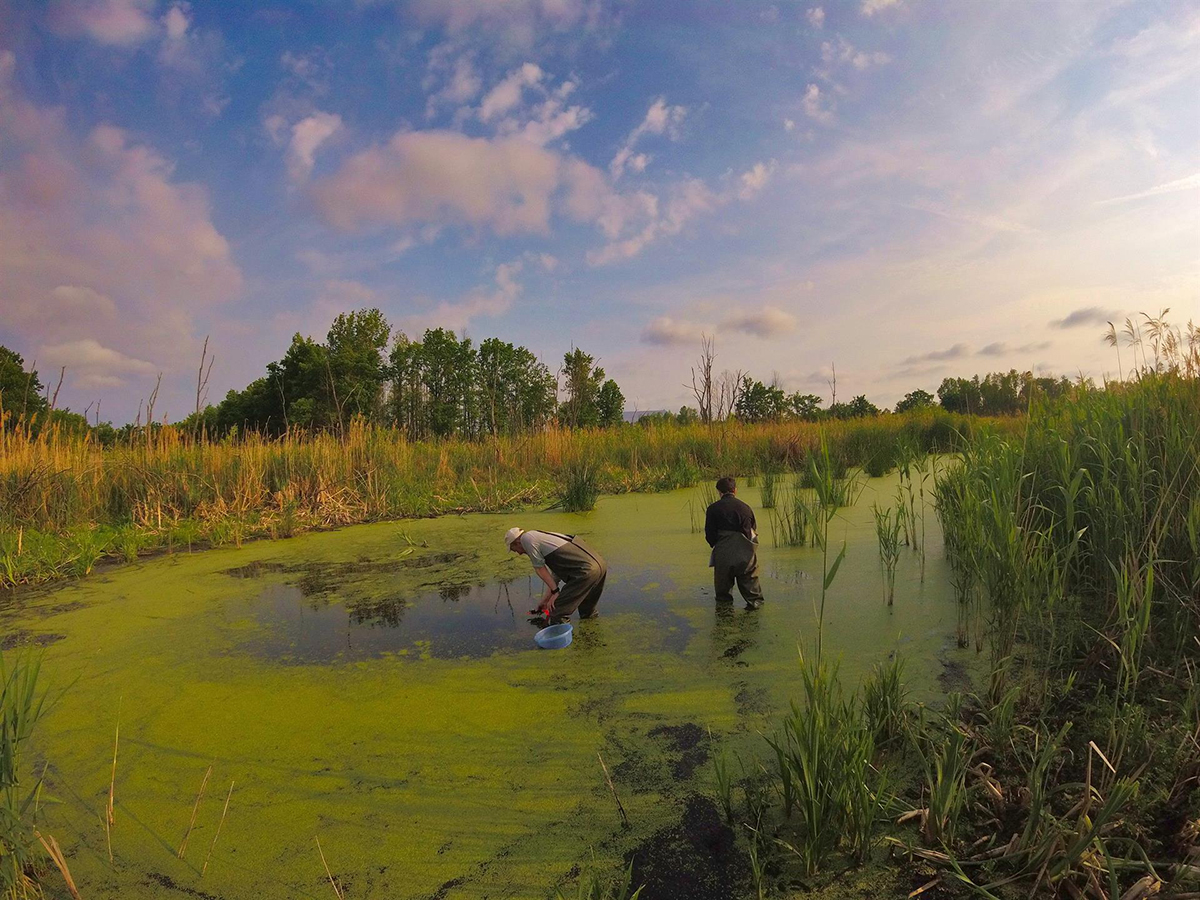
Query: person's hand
548, 602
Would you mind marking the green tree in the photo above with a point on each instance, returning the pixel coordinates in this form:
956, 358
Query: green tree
583, 382
20, 391
917, 399
517, 391
610, 405
357, 371
758, 402
805, 406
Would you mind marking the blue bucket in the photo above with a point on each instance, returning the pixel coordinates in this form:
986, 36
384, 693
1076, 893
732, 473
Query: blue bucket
555, 637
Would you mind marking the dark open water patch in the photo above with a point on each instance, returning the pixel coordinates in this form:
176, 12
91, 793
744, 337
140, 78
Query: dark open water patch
693, 860
15, 639
328, 614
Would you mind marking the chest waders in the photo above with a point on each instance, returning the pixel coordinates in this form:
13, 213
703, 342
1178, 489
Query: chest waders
735, 559
582, 572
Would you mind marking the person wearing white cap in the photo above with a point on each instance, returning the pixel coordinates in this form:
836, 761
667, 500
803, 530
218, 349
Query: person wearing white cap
562, 559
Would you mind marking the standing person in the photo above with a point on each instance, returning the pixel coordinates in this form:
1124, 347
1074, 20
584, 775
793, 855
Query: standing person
562, 558
731, 531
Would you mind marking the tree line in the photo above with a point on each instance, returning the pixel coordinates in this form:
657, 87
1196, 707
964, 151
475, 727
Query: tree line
438, 386
443, 385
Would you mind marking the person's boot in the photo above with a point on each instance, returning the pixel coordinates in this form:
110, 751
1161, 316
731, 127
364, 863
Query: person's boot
754, 604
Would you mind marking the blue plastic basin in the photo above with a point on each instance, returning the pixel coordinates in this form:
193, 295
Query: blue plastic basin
555, 637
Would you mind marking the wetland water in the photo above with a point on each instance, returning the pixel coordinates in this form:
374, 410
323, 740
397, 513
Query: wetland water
378, 687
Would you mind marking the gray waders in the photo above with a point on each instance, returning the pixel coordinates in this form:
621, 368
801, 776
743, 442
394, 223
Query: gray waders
735, 559
582, 572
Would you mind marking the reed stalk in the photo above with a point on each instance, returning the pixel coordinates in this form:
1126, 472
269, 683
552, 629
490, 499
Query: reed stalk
195, 809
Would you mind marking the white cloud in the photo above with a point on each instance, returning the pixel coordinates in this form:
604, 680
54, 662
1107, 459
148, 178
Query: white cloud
92, 365
685, 200
789, 125
957, 351
814, 106
75, 300
767, 322
100, 242
547, 121
665, 331
176, 22
815, 16
462, 82
119, 23
507, 184
507, 94
755, 179
487, 302
1087, 315
842, 51
307, 137
1188, 183
871, 7
661, 118
515, 24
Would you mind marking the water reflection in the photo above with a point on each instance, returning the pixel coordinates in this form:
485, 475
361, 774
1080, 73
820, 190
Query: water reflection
346, 623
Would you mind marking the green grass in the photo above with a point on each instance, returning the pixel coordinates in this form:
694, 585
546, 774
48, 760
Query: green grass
67, 504
22, 706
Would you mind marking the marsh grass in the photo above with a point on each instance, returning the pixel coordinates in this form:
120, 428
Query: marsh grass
769, 489
794, 523
824, 751
887, 531
66, 502
580, 486
591, 886
22, 706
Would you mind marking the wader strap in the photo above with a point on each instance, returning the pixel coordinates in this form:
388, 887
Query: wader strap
570, 539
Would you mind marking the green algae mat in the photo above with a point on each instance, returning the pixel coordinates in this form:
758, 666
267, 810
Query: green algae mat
378, 688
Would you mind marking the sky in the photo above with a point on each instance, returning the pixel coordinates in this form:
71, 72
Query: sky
901, 189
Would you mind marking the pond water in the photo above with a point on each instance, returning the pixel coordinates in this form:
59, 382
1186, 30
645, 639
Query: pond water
378, 688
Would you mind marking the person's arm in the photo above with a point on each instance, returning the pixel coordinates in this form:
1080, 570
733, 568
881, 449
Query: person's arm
544, 573
710, 526
749, 525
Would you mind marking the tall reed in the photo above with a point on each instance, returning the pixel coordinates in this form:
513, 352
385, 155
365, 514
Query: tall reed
66, 502
887, 531
22, 706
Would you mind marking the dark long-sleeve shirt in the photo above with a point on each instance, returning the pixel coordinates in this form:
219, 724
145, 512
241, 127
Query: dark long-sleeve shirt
728, 514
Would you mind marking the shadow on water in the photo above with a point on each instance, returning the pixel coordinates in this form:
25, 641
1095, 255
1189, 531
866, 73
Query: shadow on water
341, 613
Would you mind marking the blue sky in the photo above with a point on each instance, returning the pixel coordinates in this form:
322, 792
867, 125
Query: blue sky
904, 188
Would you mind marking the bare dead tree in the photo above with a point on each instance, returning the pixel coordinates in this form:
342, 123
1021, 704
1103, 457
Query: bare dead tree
202, 377
333, 393
702, 379
54, 400
728, 386
97, 413
150, 407
832, 382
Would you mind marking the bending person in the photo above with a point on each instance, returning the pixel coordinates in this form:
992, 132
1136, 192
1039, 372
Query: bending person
562, 559
731, 531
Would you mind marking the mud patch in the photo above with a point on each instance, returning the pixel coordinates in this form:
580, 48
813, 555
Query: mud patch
953, 676
169, 883
694, 860
688, 743
28, 639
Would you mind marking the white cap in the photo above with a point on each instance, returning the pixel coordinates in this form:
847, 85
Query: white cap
511, 535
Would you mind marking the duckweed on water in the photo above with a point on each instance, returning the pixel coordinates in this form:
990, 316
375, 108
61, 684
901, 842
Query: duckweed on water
377, 687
